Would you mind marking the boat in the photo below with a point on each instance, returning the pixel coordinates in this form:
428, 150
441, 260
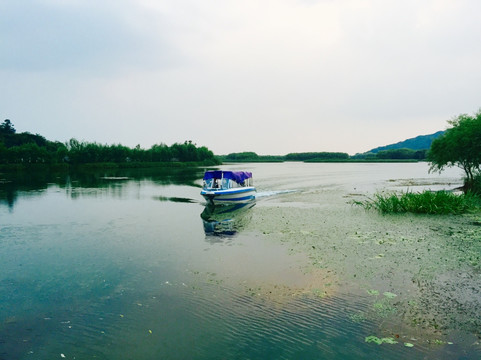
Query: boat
228, 187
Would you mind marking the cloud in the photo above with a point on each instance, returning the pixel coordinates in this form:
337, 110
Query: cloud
287, 75
85, 36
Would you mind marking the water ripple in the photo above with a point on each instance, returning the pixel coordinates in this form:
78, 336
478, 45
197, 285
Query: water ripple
258, 325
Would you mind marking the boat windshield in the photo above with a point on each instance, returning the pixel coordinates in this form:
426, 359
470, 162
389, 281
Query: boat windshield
218, 184
208, 184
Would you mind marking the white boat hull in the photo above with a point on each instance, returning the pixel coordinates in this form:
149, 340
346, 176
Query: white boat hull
229, 196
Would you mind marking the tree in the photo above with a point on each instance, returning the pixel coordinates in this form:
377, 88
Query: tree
7, 127
160, 153
459, 146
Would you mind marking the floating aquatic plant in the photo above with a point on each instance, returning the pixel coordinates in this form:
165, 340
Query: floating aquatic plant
358, 317
379, 341
383, 309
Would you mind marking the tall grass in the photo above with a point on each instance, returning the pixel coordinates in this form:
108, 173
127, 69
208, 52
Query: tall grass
427, 202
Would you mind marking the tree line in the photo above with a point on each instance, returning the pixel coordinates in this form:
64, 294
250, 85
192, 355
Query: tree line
395, 154
26, 148
249, 156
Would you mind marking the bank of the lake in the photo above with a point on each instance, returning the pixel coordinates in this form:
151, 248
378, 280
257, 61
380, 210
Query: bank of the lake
36, 167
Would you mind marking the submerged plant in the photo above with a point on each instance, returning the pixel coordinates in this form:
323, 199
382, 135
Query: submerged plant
427, 202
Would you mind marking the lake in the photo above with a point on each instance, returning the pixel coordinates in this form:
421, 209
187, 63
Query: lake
132, 264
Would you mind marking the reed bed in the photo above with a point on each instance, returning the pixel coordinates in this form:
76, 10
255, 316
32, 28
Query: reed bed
427, 202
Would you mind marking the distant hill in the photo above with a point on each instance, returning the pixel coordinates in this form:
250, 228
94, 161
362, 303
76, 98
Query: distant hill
421, 142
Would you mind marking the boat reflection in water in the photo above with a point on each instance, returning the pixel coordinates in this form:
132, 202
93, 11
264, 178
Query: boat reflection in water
226, 220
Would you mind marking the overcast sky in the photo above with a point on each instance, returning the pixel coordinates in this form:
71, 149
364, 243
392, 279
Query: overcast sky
272, 77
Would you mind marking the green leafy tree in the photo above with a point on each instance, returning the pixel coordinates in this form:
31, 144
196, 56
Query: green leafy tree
204, 153
117, 153
75, 149
459, 146
160, 152
59, 151
138, 154
7, 127
185, 152
29, 153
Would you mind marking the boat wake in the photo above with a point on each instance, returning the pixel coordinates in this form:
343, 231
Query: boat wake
269, 193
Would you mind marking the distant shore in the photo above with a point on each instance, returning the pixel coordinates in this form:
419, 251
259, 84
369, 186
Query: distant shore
101, 166
329, 161
175, 164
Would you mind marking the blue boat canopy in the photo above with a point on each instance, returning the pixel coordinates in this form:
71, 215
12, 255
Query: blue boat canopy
237, 176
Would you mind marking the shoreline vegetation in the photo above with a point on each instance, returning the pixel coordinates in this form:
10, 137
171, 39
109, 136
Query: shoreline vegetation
457, 146
104, 166
426, 202
173, 164
26, 151
390, 156
264, 160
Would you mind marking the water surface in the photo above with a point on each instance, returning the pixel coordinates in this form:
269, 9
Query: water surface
133, 265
